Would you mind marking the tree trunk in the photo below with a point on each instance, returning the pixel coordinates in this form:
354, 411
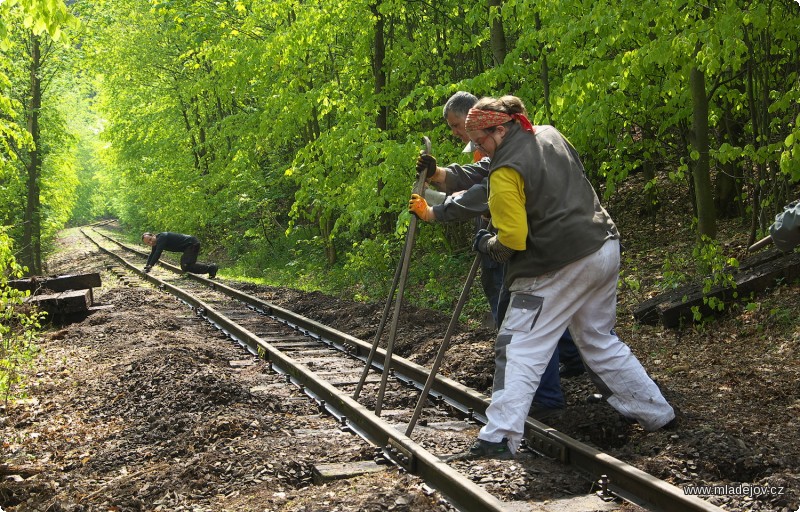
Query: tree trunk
497, 35
31, 238
706, 215
728, 185
382, 118
326, 229
544, 73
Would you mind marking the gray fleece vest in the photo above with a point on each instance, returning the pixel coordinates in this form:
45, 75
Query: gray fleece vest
565, 219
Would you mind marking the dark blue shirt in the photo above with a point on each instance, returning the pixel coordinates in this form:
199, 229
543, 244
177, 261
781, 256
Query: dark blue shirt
173, 242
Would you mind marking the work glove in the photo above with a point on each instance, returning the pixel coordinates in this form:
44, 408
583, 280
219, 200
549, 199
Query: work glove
485, 242
419, 207
426, 164
147, 269
481, 240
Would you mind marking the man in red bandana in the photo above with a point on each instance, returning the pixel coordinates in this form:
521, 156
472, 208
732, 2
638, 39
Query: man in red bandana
561, 250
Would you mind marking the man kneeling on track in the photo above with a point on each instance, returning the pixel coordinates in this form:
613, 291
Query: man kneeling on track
177, 242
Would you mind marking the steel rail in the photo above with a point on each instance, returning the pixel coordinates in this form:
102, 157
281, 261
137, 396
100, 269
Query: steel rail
396, 446
618, 477
467, 400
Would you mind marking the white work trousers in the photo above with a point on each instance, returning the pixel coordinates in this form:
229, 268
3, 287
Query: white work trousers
583, 297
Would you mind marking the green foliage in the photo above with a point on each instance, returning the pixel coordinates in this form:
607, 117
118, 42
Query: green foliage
790, 155
783, 316
674, 271
284, 137
712, 261
628, 280
373, 263
54, 148
19, 325
37, 16
59, 173
718, 271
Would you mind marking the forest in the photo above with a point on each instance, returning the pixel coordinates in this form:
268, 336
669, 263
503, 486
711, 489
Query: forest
284, 133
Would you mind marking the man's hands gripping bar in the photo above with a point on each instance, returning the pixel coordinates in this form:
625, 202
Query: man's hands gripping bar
426, 164
419, 186
419, 207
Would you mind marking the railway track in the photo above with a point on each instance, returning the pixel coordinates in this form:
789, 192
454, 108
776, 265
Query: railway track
328, 366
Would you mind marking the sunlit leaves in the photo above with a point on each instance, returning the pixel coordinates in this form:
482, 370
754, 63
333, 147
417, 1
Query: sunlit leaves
40, 16
790, 156
259, 107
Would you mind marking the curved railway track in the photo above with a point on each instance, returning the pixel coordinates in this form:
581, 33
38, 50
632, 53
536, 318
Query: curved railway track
329, 367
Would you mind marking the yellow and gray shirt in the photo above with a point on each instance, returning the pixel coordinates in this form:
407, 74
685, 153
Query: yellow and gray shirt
542, 204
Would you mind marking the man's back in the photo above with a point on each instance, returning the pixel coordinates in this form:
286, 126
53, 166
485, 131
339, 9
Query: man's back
175, 242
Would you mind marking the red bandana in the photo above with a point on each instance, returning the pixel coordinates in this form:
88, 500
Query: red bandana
478, 119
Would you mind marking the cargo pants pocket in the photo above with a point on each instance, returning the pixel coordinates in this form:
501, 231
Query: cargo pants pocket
523, 312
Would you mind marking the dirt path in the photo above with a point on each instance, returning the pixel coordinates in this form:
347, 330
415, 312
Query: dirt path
145, 407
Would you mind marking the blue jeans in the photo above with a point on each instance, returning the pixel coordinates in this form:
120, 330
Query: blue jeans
492, 283
568, 353
549, 393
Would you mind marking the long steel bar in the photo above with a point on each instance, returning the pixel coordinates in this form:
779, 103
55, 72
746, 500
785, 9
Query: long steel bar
419, 188
381, 325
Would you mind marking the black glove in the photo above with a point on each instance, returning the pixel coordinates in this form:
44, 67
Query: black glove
487, 243
147, 268
426, 164
481, 241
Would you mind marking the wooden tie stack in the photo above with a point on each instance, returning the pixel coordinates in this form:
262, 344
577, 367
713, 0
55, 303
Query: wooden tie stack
61, 296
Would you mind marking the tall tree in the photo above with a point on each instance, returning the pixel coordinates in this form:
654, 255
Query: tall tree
706, 215
32, 232
27, 31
